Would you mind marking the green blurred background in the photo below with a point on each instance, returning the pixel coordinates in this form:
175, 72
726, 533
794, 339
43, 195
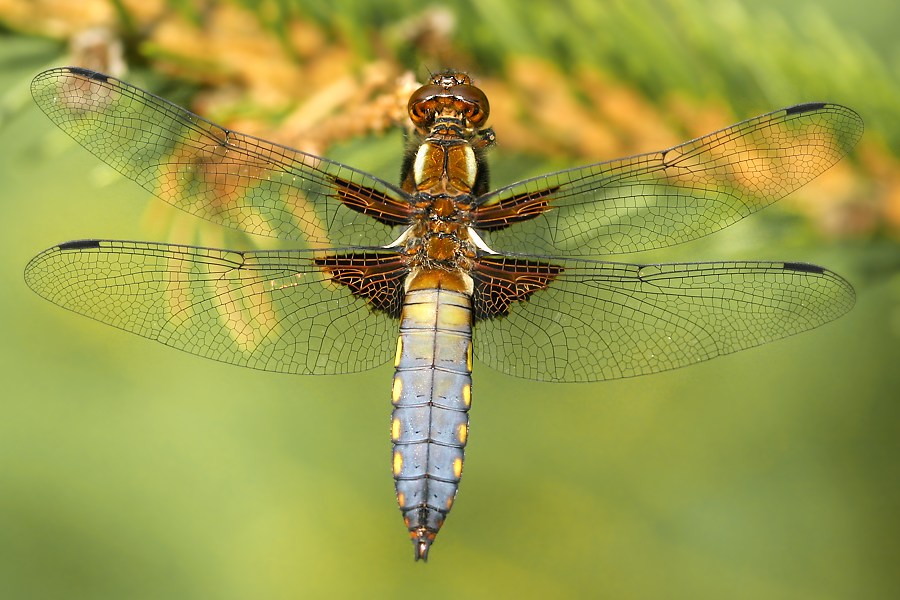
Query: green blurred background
130, 470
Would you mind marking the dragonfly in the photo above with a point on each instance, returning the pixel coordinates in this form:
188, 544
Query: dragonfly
440, 269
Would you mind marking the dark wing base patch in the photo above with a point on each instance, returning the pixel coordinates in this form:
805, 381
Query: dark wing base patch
370, 202
376, 277
499, 213
501, 281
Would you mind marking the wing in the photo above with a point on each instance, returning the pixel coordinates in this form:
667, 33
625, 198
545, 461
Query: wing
218, 174
663, 198
282, 311
600, 320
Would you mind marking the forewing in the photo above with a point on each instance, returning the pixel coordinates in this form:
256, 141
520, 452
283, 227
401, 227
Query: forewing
227, 177
270, 310
599, 320
676, 195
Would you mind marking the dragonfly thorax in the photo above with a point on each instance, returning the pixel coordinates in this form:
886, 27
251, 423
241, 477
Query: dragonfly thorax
445, 167
440, 237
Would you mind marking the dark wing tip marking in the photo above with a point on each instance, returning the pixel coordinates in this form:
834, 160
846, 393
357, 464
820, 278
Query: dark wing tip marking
803, 268
799, 109
79, 245
87, 73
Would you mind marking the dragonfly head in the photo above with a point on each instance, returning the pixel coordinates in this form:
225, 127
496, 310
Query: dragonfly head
449, 95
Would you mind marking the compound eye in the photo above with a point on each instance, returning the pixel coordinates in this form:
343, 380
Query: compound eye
422, 103
476, 103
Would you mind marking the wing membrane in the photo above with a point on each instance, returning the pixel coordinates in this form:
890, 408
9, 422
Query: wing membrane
676, 195
601, 320
215, 173
269, 310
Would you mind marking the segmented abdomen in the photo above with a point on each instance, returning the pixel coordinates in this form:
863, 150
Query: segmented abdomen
432, 393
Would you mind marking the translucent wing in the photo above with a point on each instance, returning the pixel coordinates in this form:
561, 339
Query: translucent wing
663, 198
217, 174
599, 320
271, 310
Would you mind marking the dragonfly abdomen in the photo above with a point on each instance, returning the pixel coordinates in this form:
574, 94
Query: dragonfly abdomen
432, 392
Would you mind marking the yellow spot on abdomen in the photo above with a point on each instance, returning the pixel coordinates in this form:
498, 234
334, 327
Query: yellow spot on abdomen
449, 502
401, 499
398, 463
467, 394
469, 357
396, 390
395, 429
462, 432
399, 352
457, 467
